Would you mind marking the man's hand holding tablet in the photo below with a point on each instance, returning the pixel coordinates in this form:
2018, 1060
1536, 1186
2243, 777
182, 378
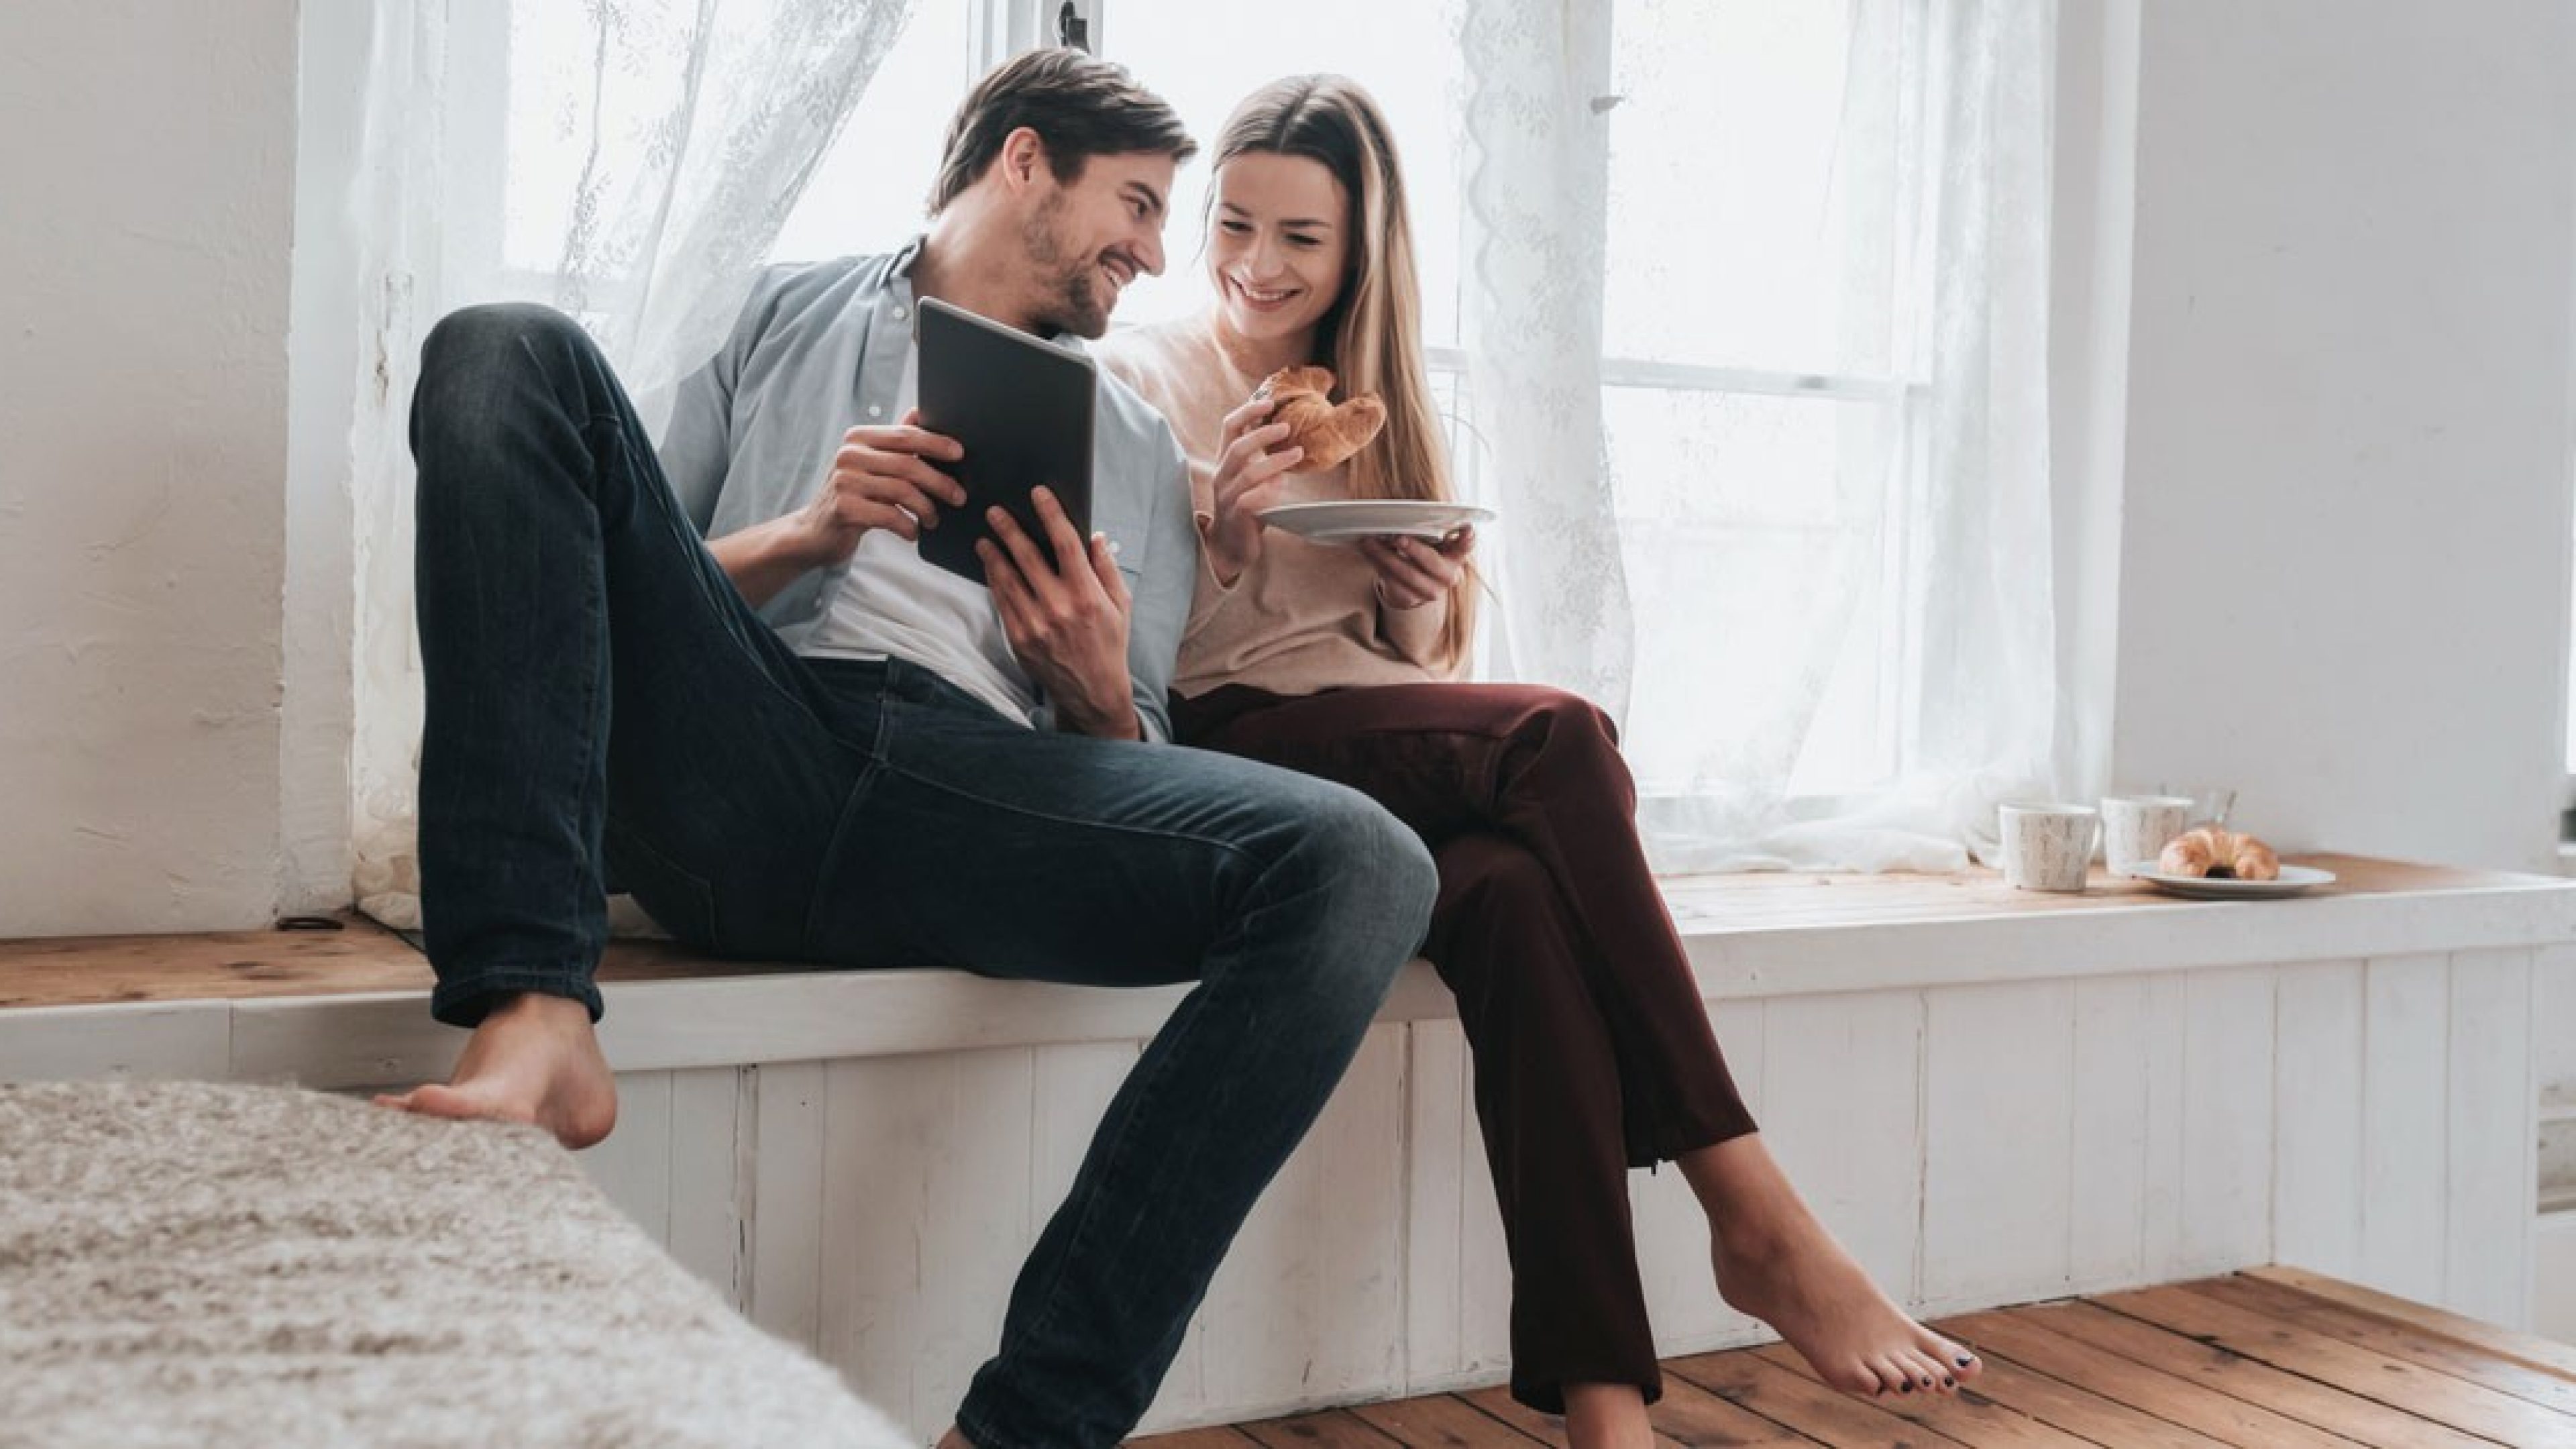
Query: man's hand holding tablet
1022, 410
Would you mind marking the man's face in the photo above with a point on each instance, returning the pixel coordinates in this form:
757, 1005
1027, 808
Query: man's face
1088, 238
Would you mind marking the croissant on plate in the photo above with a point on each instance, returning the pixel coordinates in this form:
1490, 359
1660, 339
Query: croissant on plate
1329, 434
2219, 855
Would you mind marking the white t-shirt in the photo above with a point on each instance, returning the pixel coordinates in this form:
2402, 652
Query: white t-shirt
892, 603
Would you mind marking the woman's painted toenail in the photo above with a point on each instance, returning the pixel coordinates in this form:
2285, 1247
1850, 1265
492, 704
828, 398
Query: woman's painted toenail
1949, 1382
1966, 1359
1906, 1387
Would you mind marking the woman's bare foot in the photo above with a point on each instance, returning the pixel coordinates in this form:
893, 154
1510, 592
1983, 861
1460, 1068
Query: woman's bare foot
1607, 1416
1777, 1263
534, 1059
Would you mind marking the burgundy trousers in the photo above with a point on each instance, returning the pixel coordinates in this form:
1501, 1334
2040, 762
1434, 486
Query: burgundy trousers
1592, 1047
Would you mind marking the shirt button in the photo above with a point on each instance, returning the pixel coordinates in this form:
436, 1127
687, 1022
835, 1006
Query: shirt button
874, 411
900, 314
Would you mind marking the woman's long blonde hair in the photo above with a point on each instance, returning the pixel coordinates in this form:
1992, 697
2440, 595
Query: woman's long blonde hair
1372, 337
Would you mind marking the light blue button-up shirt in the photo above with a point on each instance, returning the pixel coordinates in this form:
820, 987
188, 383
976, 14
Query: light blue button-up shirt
820, 349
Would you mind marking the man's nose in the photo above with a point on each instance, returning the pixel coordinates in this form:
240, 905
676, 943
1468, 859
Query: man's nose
1149, 249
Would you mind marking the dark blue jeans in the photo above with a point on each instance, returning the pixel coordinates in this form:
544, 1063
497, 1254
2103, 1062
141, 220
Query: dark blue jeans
603, 702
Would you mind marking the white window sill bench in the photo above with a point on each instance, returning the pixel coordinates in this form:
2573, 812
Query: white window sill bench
1993, 1097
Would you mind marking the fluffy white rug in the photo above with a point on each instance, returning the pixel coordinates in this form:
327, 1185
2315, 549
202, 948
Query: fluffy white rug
201, 1265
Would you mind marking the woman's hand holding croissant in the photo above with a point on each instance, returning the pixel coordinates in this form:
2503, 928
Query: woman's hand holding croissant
1249, 477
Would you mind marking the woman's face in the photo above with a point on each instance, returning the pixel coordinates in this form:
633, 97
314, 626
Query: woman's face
1278, 245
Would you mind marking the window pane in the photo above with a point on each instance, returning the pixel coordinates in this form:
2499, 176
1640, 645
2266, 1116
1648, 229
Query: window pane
1752, 185
1196, 54
1750, 528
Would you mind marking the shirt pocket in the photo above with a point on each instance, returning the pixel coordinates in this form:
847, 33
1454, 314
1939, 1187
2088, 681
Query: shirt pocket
1128, 534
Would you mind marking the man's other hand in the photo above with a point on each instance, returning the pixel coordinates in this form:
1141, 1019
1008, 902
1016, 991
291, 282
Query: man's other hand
1065, 616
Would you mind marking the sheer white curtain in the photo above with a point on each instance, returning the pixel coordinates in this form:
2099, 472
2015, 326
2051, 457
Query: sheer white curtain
1756, 327
632, 169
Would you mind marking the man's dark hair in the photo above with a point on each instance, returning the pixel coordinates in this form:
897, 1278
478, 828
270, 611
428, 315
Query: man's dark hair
1082, 107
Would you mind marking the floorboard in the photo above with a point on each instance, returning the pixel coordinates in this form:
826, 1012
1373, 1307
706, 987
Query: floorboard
2272, 1359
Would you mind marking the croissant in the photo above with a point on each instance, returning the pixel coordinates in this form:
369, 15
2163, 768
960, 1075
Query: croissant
2219, 855
1329, 434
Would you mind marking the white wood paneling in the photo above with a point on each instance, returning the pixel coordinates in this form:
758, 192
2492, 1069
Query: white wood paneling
2405, 1144
2317, 1169
1842, 1107
1309, 1304
634, 1165
159, 1041
1440, 1124
2161, 1229
2227, 1120
786, 1205
1997, 1139
2107, 1157
2493, 1145
2553, 1013
2553, 1309
941, 1145
712, 1135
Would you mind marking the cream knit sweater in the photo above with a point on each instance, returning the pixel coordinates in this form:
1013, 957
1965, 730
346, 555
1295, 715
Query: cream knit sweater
1304, 617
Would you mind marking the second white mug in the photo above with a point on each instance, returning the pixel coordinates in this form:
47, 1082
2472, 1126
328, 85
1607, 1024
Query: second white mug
2136, 827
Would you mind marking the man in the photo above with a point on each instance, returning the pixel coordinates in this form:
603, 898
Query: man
801, 742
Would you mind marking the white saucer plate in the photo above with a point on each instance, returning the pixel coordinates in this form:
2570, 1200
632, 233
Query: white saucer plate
2294, 879
1349, 521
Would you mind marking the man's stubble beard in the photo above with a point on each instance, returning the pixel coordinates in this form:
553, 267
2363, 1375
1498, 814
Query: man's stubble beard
1072, 302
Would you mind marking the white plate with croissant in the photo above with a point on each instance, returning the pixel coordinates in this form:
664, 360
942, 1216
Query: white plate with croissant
2214, 863
2292, 880
1350, 520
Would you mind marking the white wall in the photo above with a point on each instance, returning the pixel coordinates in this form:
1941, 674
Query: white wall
147, 156
2344, 544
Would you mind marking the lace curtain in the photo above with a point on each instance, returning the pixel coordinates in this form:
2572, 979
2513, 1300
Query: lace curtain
633, 170
1801, 551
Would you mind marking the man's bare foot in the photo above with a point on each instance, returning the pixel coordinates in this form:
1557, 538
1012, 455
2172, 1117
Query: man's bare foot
534, 1059
1777, 1263
1607, 1416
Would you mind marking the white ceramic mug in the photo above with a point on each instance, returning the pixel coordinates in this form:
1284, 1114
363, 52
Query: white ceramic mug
2136, 827
2047, 847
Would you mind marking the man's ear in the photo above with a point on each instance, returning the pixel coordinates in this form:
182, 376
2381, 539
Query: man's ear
1023, 158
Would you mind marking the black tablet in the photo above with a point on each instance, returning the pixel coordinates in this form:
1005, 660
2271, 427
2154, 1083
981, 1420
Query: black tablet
1022, 410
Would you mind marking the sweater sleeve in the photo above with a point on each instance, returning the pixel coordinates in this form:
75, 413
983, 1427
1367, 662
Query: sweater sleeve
1415, 633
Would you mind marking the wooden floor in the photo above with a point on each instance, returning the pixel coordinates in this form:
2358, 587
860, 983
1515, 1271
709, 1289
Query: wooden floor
2275, 1357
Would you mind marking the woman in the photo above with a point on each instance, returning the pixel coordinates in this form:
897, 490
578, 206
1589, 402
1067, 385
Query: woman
1592, 1048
